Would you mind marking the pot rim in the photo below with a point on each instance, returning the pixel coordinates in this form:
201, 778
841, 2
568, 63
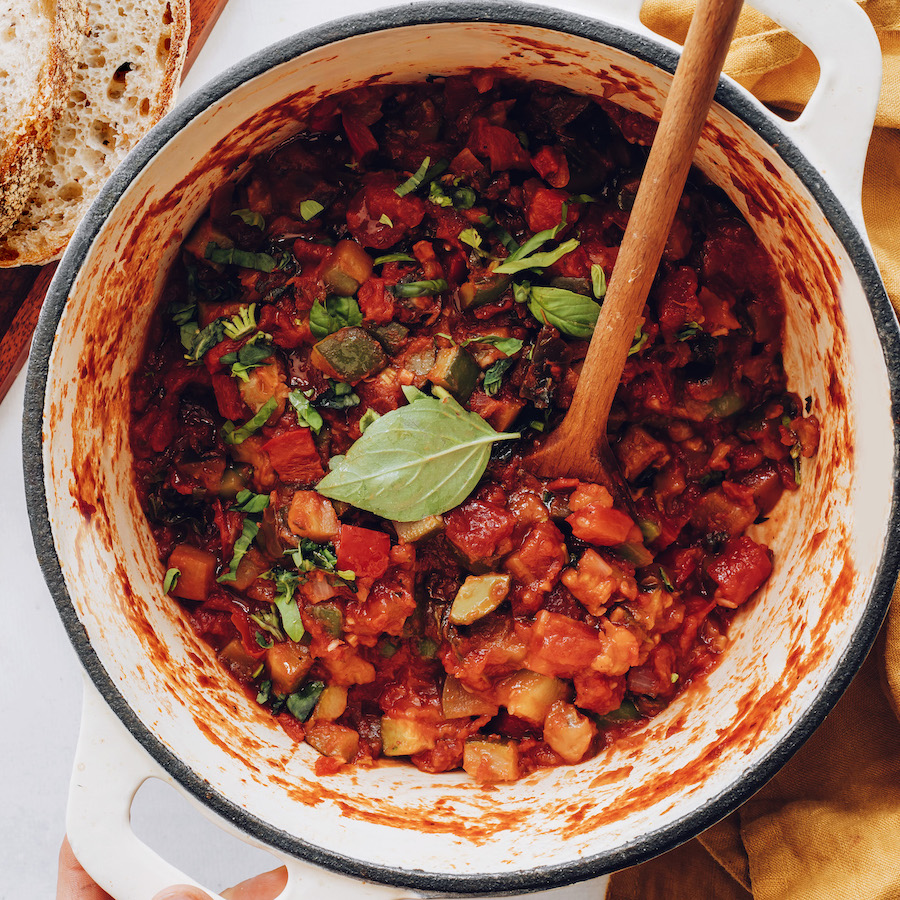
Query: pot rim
727, 95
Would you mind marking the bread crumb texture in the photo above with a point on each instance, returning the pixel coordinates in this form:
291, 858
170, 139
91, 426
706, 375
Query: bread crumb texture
124, 78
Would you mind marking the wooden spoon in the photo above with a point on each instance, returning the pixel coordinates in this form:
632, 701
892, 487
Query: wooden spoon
578, 447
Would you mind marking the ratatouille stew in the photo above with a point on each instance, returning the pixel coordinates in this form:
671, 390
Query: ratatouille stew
358, 344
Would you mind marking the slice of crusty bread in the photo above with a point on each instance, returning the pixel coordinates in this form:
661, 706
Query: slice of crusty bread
128, 68
38, 43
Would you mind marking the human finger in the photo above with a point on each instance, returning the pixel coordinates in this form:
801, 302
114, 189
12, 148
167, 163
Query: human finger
73, 883
262, 887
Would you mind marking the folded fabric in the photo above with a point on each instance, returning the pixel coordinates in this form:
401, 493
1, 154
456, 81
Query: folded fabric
827, 826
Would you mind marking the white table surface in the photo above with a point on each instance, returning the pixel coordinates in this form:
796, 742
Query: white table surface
41, 683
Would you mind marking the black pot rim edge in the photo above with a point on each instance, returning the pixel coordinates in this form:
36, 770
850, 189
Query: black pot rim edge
519, 881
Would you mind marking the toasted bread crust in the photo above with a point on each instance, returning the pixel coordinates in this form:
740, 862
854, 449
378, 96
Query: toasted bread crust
26, 131
125, 77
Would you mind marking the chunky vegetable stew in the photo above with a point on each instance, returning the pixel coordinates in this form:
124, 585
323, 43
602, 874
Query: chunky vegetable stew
359, 344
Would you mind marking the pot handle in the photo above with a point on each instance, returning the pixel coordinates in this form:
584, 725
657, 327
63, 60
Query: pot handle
834, 129
109, 768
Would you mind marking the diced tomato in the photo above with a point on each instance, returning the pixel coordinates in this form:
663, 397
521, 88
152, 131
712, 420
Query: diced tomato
294, 457
677, 302
598, 692
312, 516
361, 140
228, 396
377, 217
198, 570
249, 632
480, 530
561, 646
741, 567
551, 164
376, 303
600, 525
537, 562
499, 145
364, 551
544, 206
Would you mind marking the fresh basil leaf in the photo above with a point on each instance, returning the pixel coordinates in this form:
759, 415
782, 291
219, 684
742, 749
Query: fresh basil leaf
241, 546
244, 258
535, 260
385, 219
573, 314
493, 377
338, 396
309, 209
306, 415
171, 579
262, 641
419, 460
419, 288
393, 257
248, 502
598, 281
464, 198
248, 217
502, 234
301, 703
285, 585
233, 435
334, 314
269, 621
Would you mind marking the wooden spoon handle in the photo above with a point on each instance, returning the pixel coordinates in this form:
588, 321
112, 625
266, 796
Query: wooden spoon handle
651, 217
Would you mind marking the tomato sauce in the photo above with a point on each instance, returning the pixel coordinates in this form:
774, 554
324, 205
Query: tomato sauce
450, 241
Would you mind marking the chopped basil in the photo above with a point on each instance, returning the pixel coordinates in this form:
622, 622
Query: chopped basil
520, 261
309, 209
503, 235
386, 220
598, 281
427, 648
419, 288
507, 345
493, 377
393, 257
301, 703
248, 217
437, 196
233, 435
182, 313
667, 583
367, 418
262, 695
306, 415
339, 396
640, 338
473, 239
248, 502
244, 258
196, 341
422, 175
688, 331
334, 314
263, 641
251, 356
414, 180
309, 555
285, 585
415, 461
464, 198
241, 546
269, 621
171, 579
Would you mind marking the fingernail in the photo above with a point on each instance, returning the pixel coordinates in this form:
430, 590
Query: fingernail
181, 892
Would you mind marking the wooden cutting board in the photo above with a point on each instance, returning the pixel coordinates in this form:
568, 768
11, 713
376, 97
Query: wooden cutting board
22, 289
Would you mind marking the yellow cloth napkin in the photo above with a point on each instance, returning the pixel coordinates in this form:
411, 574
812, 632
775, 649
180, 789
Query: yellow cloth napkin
827, 826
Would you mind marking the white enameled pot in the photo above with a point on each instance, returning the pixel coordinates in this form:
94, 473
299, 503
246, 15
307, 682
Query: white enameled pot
399, 831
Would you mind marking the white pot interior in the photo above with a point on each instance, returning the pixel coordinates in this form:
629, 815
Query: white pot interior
828, 537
